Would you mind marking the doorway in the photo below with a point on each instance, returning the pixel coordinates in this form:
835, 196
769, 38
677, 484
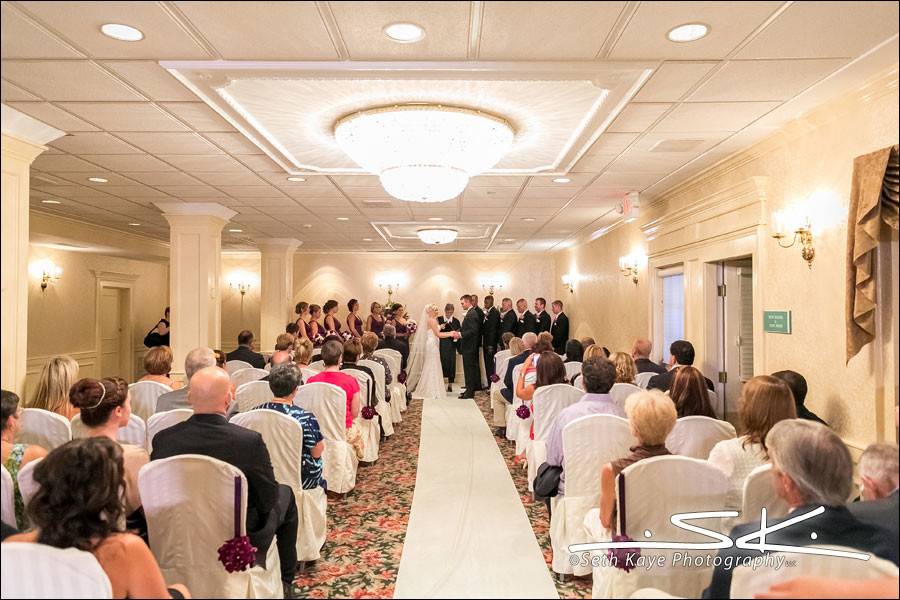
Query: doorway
734, 331
114, 310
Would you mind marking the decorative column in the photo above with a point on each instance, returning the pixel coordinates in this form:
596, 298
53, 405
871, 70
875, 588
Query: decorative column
276, 288
23, 139
195, 265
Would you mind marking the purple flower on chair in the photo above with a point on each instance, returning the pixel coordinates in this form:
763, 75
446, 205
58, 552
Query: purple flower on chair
619, 556
494, 378
523, 412
401, 377
237, 554
368, 413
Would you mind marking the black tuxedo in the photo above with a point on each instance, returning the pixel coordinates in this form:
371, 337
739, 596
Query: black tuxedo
560, 331
882, 513
525, 324
515, 361
271, 508
645, 365
663, 381
542, 322
835, 527
244, 353
468, 346
508, 322
448, 347
395, 344
490, 337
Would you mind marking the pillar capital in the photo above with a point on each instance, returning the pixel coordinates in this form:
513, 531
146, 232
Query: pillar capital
195, 212
270, 245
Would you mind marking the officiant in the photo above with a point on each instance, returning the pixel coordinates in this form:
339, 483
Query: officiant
448, 346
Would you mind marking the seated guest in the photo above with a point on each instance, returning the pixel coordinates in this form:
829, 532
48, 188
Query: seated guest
284, 341
812, 468
15, 456
352, 350
220, 358
279, 357
105, 407
271, 510
284, 381
391, 342
528, 341
797, 383
516, 346
245, 352
538, 370
625, 368
504, 339
77, 506
303, 350
652, 417
544, 338
598, 376
586, 342
764, 401
591, 351
879, 478
574, 351
293, 329
158, 365
52, 392
196, 359
640, 352
369, 343
682, 356
690, 395
332, 355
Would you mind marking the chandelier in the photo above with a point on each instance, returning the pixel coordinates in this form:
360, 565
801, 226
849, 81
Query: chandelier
424, 152
437, 236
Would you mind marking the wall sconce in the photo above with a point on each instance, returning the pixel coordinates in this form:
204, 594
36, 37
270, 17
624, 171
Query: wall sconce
631, 264
390, 282
242, 281
569, 282
492, 283
45, 270
788, 222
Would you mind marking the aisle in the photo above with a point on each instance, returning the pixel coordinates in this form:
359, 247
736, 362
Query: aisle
468, 535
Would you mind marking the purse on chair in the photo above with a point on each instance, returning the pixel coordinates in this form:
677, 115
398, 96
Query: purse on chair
546, 482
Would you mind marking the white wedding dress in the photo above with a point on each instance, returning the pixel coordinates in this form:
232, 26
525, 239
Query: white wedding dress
425, 370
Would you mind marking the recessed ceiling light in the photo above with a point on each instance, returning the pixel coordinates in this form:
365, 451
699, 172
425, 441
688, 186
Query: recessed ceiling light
343, 218
50, 202
135, 224
367, 239
689, 32
298, 179
123, 33
404, 33
235, 231
562, 180
509, 240
528, 219
435, 219
98, 180
307, 226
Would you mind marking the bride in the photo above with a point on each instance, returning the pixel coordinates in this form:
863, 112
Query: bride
426, 377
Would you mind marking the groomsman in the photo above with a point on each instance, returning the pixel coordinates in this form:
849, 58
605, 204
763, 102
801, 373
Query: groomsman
542, 320
526, 322
560, 327
490, 335
508, 318
477, 308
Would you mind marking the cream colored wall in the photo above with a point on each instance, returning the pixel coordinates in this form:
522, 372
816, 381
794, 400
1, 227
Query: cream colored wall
239, 313
724, 213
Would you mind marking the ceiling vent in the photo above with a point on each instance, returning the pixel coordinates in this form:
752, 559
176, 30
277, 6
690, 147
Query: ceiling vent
675, 145
377, 203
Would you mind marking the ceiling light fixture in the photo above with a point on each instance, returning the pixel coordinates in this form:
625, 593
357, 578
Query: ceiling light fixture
50, 202
297, 179
528, 219
424, 152
404, 32
235, 231
123, 33
562, 180
689, 32
98, 180
134, 224
435, 219
436, 237
343, 218
367, 239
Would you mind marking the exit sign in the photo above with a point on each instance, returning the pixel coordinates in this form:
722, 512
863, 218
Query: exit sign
777, 321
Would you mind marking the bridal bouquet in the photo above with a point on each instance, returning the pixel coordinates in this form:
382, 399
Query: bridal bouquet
411, 327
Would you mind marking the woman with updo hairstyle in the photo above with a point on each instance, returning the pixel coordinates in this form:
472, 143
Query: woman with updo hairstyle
375, 320
158, 365
77, 505
105, 407
315, 329
332, 323
400, 323
303, 350
303, 311
354, 323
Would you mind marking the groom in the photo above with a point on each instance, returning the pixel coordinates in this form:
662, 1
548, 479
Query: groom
469, 343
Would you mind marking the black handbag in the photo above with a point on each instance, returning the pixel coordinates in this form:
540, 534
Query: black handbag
546, 482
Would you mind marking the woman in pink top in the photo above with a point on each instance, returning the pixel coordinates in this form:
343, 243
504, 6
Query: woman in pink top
332, 353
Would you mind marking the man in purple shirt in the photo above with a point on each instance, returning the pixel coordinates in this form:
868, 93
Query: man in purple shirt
598, 375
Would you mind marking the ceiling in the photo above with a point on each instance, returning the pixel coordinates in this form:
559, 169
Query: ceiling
132, 122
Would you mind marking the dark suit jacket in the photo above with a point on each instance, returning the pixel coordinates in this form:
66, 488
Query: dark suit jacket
490, 333
663, 381
542, 322
560, 331
645, 365
508, 322
247, 355
395, 344
835, 527
212, 435
515, 361
471, 333
805, 413
882, 513
525, 324
368, 372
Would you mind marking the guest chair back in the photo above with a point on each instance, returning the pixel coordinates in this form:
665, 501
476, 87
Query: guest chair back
236, 365
371, 430
242, 376
388, 413
252, 394
134, 433
499, 405
620, 392
44, 428
548, 402
27, 486
395, 354
7, 499
717, 404
317, 365
193, 504
306, 372
572, 369
695, 436
144, 395
643, 379
164, 420
398, 390
759, 493
329, 404
578, 382
513, 422
283, 437
41, 571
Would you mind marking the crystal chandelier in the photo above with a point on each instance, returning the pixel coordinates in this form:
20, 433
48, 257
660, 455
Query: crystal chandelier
437, 236
424, 152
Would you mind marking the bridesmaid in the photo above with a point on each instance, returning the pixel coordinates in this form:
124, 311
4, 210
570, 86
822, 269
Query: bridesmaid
354, 323
401, 318
315, 330
375, 320
302, 309
332, 323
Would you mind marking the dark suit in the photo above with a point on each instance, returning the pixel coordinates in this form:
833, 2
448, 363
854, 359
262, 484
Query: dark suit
835, 527
560, 331
370, 392
663, 381
508, 322
247, 355
525, 324
645, 365
515, 361
468, 346
542, 322
490, 338
805, 413
882, 513
395, 344
271, 509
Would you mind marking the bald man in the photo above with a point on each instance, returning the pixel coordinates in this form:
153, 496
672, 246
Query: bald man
280, 357
640, 352
271, 509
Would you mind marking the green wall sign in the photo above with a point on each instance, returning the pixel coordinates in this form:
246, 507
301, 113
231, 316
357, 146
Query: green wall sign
777, 321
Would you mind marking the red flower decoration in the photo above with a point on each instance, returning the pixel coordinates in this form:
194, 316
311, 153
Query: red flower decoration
237, 554
368, 413
523, 412
619, 556
401, 377
494, 378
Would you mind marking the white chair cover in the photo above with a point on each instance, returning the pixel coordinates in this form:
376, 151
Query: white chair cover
27, 487
236, 365
242, 376
189, 503
43, 428
695, 436
572, 369
144, 395
134, 433
284, 439
578, 382
651, 594
385, 410
306, 372
759, 492
513, 422
329, 404
548, 402
164, 420
717, 404
655, 491
370, 428
8, 499
643, 379
317, 366
40, 571
398, 390
747, 581
620, 392
498, 403
588, 443
252, 394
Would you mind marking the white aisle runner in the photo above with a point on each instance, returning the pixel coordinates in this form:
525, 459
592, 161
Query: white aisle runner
468, 534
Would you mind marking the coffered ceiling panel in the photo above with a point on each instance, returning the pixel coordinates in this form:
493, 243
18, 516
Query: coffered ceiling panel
67, 80
129, 162
124, 116
13, 93
169, 143
23, 38
53, 116
762, 80
151, 79
672, 80
713, 116
94, 143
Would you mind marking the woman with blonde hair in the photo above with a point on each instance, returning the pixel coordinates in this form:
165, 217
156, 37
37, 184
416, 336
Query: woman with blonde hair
52, 392
303, 351
625, 368
516, 346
